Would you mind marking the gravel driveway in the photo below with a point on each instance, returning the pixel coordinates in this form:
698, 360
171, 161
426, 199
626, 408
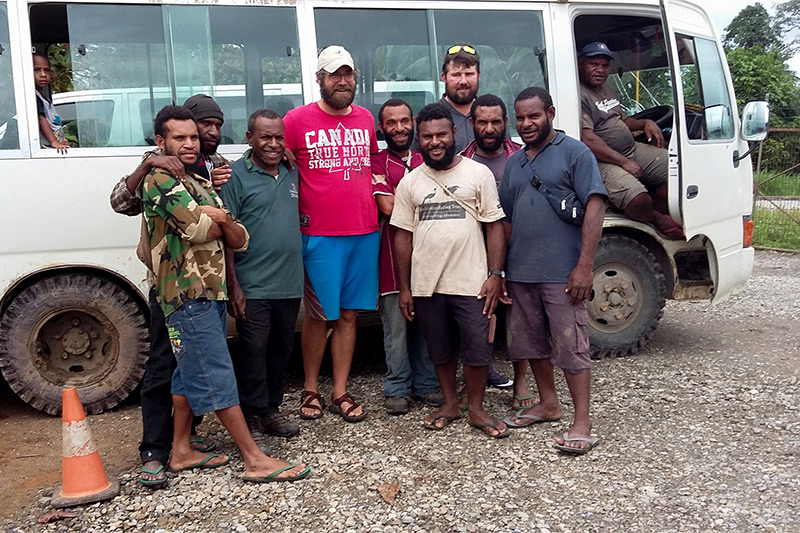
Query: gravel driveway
699, 432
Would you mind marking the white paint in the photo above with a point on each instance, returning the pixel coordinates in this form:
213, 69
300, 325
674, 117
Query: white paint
77, 441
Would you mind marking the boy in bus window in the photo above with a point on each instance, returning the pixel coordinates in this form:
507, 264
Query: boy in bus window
49, 121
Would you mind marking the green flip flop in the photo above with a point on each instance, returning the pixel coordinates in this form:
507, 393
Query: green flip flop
208, 444
153, 483
202, 464
273, 477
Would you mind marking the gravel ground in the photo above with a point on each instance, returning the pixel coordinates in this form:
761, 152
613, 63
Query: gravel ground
699, 432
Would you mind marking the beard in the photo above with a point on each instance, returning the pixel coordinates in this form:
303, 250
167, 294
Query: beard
458, 100
210, 148
543, 134
444, 162
337, 99
397, 148
491, 143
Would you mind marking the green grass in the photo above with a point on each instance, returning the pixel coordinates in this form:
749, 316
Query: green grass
773, 229
787, 185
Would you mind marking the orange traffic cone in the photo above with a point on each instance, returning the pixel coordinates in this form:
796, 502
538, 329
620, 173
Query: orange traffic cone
83, 477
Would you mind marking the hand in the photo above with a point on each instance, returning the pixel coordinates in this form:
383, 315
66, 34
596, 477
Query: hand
220, 176
504, 297
579, 285
652, 131
491, 290
237, 302
406, 303
170, 163
60, 146
290, 159
632, 167
217, 215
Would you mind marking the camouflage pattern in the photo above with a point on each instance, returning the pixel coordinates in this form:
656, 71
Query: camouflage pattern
186, 267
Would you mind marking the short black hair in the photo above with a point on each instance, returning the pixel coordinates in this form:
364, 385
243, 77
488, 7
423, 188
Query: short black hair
41, 54
488, 100
263, 113
434, 111
170, 112
535, 92
394, 102
462, 58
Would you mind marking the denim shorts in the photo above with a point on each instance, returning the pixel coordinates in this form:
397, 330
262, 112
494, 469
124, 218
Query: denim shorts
198, 335
341, 273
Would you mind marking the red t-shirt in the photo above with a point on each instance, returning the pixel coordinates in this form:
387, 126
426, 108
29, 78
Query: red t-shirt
333, 157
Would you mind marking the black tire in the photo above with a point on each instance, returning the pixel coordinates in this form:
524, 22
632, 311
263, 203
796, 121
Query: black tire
73, 330
627, 297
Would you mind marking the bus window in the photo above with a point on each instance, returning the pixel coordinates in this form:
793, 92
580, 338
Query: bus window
125, 62
9, 134
403, 58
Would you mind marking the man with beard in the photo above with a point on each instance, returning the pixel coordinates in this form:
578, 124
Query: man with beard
266, 284
332, 140
489, 120
549, 266
440, 208
156, 400
635, 174
189, 227
409, 371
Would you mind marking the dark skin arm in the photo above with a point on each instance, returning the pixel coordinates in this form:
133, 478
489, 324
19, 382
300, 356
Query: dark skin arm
220, 176
236, 299
579, 285
494, 288
224, 227
649, 127
606, 154
385, 203
170, 163
403, 248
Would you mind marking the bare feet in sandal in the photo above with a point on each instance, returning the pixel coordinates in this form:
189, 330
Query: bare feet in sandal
346, 407
311, 405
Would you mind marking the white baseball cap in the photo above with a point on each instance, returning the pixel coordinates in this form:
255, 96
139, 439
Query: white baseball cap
333, 58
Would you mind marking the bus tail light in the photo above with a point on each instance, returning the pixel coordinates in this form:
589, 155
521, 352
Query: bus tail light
748, 226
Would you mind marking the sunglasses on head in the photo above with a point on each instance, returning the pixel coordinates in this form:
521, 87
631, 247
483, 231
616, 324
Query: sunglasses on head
457, 48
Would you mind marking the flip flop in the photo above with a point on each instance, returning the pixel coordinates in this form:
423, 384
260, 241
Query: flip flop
153, 483
273, 477
674, 232
199, 439
513, 421
520, 399
308, 397
202, 464
490, 425
591, 441
447, 421
336, 408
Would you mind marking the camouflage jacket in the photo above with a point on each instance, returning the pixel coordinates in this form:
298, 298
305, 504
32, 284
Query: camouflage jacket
186, 267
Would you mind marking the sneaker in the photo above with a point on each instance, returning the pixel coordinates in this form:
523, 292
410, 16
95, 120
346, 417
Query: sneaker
396, 405
496, 379
278, 425
432, 399
254, 425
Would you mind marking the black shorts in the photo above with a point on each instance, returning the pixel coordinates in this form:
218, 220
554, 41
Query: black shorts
453, 325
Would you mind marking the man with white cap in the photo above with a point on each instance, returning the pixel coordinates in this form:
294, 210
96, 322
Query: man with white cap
332, 140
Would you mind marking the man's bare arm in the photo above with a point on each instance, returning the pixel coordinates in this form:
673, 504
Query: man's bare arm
385, 203
403, 247
579, 285
604, 153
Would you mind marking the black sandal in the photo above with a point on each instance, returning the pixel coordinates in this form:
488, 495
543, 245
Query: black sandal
336, 408
308, 397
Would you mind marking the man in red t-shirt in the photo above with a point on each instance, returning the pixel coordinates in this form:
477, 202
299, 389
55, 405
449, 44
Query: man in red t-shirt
332, 140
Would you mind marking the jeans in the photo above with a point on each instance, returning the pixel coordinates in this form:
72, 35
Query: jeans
262, 353
156, 398
409, 370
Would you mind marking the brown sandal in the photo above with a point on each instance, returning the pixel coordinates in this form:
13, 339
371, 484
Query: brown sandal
308, 397
336, 408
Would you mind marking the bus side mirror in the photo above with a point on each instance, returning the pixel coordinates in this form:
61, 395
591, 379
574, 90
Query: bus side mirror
755, 121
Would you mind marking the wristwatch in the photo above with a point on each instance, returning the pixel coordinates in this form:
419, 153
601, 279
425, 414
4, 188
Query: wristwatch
501, 273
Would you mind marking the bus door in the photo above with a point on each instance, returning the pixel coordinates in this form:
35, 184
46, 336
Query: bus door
708, 187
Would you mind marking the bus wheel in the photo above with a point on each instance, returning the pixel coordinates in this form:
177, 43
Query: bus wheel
627, 298
73, 330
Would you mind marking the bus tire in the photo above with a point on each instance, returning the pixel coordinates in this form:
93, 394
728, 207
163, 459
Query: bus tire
627, 298
73, 330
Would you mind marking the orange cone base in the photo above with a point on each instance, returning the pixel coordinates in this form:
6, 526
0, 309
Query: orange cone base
59, 501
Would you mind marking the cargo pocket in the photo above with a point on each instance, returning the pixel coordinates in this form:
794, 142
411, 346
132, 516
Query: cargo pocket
581, 331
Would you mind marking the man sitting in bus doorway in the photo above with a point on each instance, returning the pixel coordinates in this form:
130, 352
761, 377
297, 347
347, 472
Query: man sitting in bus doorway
333, 140
156, 400
189, 228
266, 284
635, 174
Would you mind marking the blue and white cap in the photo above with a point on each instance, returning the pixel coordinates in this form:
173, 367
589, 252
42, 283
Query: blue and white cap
596, 49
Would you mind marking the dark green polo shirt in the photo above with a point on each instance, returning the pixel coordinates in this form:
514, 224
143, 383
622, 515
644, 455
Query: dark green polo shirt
272, 266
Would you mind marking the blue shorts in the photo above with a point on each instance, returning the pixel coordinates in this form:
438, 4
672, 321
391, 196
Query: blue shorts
341, 273
198, 335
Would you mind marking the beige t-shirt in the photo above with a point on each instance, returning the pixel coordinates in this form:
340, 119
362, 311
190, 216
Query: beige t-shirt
449, 254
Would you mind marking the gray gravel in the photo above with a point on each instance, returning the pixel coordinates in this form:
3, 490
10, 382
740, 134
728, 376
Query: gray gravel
699, 432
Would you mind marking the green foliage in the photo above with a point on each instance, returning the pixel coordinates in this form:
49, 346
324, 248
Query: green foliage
784, 185
774, 229
754, 27
787, 16
756, 74
60, 68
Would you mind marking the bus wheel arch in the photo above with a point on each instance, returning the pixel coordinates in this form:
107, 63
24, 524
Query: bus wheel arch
628, 296
73, 329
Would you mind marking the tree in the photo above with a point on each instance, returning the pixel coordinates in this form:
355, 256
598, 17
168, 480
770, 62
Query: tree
754, 27
757, 73
787, 16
